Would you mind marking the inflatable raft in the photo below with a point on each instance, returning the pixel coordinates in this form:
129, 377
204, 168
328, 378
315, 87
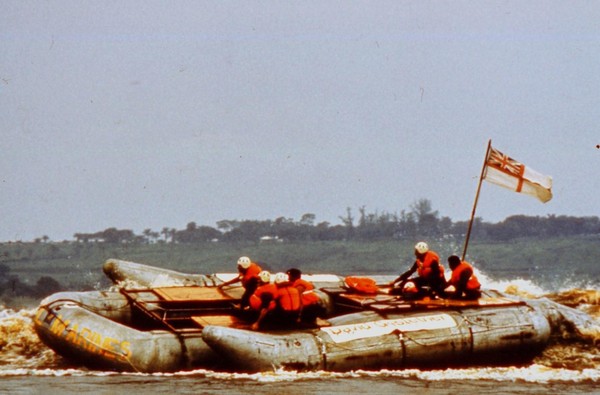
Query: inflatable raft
158, 320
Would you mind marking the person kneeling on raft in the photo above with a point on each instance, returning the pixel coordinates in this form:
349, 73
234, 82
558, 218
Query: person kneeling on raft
463, 280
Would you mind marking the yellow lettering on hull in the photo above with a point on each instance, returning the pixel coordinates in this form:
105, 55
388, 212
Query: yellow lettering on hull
85, 338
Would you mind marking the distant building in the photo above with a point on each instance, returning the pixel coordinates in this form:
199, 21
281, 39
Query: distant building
270, 239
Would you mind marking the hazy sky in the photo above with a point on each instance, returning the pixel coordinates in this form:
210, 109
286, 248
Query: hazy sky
146, 114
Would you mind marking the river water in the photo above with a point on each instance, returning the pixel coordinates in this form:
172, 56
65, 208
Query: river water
570, 365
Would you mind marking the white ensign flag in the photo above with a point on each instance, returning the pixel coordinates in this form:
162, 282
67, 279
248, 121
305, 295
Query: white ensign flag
507, 172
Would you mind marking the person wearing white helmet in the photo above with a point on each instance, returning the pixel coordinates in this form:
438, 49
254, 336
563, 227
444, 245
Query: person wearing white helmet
410, 291
263, 299
281, 278
281, 304
429, 270
264, 277
289, 300
248, 272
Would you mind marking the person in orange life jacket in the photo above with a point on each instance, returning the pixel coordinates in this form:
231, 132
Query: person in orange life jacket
248, 276
289, 301
429, 269
463, 280
295, 278
280, 306
312, 308
263, 299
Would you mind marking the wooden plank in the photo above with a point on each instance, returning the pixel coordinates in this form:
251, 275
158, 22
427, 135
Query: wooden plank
220, 320
363, 298
189, 294
481, 302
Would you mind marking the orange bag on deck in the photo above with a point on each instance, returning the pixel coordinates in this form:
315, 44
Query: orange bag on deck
364, 285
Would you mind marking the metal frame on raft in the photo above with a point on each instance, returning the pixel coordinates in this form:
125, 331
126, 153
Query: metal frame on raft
190, 308
184, 309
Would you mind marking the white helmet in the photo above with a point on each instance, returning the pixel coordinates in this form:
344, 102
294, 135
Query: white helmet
281, 278
409, 287
244, 262
421, 247
265, 276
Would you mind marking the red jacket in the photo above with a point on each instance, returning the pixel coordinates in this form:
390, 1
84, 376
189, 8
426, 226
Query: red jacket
307, 285
264, 296
288, 298
309, 296
252, 272
424, 265
472, 283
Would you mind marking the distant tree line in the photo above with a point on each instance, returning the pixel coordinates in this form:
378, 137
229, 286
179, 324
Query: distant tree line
420, 221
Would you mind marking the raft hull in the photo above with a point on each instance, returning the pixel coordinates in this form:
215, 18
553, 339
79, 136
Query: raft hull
368, 340
119, 271
87, 338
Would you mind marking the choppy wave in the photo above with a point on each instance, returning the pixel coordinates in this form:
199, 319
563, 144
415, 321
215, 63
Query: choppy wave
535, 373
574, 359
20, 348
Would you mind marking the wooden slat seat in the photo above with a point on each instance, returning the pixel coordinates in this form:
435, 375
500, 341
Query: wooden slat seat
191, 294
220, 320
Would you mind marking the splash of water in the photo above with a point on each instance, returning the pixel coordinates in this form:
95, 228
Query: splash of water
20, 346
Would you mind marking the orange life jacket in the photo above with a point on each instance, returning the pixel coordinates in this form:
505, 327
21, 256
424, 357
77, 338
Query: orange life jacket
363, 285
309, 296
251, 272
288, 298
256, 298
307, 285
424, 266
472, 284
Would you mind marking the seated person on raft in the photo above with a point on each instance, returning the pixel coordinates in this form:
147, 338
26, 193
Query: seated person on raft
279, 305
463, 280
430, 273
248, 272
409, 291
312, 309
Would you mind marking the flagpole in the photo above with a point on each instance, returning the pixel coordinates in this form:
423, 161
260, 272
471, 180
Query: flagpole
487, 152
